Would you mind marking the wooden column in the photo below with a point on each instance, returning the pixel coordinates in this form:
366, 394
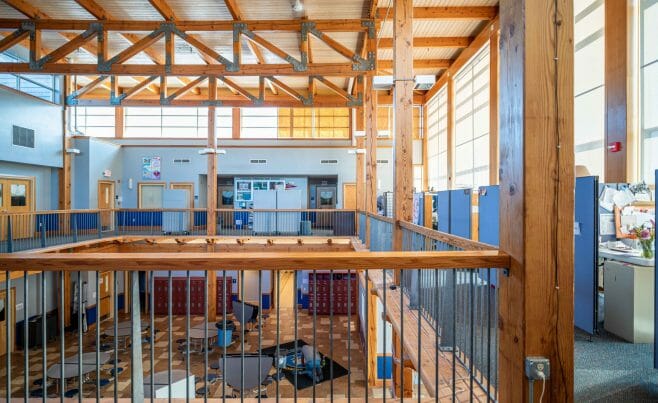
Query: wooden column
235, 123
426, 178
64, 174
372, 333
119, 122
212, 195
537, 195
370, 102
403, 74
360, 162
403, 88
616, 89
493, 105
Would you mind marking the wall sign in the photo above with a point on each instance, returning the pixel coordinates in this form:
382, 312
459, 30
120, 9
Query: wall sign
151, 168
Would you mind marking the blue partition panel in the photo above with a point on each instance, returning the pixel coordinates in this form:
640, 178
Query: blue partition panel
489, 223
586, 236
200, 218
460, 213
140, 218
49, 221
443, 210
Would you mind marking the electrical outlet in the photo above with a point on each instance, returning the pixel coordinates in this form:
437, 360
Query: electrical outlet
536, 366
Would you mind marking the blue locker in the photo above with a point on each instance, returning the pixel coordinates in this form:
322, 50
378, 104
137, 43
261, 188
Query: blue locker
460, 213
586, 239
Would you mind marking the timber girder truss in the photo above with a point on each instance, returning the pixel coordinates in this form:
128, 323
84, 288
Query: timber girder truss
219, 66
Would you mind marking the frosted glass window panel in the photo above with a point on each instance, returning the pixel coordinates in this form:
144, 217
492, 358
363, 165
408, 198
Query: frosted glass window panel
151, 196
464, 158
179, 121
481, 152
650, 96
589, 19
142, 111
180, 132
589, 116
464, 130
481, 121
650, 22
143, 121
650, 156
143, 131
589, 66
99, 131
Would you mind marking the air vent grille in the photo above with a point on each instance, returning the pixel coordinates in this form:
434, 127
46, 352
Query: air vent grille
23, 137
181, 161
382, 161
258, 161
329, 161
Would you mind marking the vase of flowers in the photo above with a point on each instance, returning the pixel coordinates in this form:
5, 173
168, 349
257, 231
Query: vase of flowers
645, 234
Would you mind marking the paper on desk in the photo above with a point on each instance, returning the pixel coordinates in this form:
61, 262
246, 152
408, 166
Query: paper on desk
607, 198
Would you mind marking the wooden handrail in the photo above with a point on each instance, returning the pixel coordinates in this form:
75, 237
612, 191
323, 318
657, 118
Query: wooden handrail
254, 261
464, 243
288, 210
380, 217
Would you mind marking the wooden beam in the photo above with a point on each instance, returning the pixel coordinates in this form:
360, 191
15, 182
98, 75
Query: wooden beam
13, 39
95, 83
537, 195
259, 40
360, 175
236, 123
286, 88
233, 8
450, 129
183, 70
94, 9
237, 87
431, 42
164, 9
137, 47
617, 84
418, 64
187, 88
70, 46
263, 260
333, 87
26, 8
289, 25
493, 106
140, 86
451, 13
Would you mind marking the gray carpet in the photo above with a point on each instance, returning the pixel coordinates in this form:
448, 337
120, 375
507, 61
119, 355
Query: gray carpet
608, 369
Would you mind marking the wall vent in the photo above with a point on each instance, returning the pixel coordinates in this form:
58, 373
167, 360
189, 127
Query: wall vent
258, 161
382, 161
328, 161
23, 137
182, 161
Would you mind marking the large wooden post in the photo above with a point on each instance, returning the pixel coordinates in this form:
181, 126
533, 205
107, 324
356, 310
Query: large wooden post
212, 195
371, 152
403, 88
494, 149
616, 90
537, 195
360, 162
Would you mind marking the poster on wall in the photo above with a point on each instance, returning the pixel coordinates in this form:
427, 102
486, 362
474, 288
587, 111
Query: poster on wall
151, 168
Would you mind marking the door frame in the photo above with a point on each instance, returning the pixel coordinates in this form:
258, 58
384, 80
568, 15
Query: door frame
275, 297
12, 327
190, 184
139, 190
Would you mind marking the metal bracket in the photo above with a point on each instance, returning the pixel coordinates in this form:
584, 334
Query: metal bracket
106, 66
306, 27
72, 100
296, 64
370, 24
362, 64
167, 27
241, 28
212, 103
355, 101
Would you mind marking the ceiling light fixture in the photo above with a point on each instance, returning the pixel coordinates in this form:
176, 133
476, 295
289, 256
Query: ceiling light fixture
298, 7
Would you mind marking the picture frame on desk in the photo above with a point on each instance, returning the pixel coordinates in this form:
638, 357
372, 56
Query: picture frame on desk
638, 207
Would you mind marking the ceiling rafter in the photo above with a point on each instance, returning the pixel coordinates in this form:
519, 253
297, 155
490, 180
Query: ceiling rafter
431, 42
485, 13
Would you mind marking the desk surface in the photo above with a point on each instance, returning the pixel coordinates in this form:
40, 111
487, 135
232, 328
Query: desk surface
632, 258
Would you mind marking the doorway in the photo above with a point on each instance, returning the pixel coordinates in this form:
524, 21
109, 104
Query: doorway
106, 204
189, 188
287, 290
4, 309
349, 196
17, 196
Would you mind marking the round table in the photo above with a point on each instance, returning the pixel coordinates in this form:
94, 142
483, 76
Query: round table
71, 370
122, 333
161, 381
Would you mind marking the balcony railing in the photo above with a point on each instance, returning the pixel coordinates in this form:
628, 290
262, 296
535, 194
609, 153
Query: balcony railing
172, 310
24, 231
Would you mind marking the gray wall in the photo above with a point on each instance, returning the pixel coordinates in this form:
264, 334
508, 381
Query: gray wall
45, 178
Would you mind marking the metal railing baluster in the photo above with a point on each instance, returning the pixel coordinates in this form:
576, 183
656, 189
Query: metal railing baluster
169, 332
349, 334
242, 330
26, 349
331, 331
116, 330
260, 323
187, 335
205, 335
295, 309
278, 329
44, 338
80, 308
9, 333
152, 333
98, 336
315, 317
224, 304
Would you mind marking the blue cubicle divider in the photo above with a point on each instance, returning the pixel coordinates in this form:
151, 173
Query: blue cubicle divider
443, 210
460, 213
586, 236
489, 223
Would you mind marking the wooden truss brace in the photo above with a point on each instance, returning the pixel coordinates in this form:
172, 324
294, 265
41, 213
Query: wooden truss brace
72, 99
351, 99
290, 91
360, 63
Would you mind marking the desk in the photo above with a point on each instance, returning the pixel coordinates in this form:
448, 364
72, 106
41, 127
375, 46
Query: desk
629, 295
122, 333
161, 385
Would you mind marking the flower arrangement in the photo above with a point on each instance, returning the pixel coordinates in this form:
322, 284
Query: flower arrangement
645, 234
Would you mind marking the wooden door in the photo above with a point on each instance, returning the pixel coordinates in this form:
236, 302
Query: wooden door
16, 196
106, 204
105, 294
287, 290
349, 196
4, 317
189, 188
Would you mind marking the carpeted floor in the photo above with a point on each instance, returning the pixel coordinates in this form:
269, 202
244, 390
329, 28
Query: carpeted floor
609, 369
